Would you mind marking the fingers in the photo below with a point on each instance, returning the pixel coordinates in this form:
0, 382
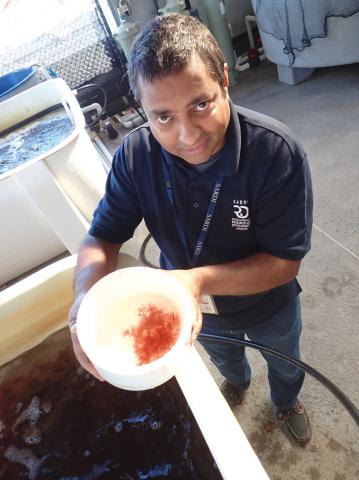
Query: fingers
197, 325
191, 281
72, 315
82, 358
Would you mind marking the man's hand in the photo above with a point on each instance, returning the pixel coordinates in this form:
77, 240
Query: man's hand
190, 279
96, 258
193, 283
254, 274
79, 353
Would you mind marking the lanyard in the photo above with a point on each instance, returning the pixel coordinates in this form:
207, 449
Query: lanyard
193, 261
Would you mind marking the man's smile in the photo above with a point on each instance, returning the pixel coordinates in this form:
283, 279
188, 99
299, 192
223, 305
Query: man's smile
197, 149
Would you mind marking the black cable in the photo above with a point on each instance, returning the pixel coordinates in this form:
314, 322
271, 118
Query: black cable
137, 108
104, 94
346, 402
142, 252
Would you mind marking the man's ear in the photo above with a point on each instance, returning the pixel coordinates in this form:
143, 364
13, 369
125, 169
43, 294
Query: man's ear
225, 76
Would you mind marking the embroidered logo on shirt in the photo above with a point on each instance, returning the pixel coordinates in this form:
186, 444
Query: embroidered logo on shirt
241, 220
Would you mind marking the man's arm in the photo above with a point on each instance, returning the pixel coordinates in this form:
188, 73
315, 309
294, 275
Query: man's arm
254, 274
96, 258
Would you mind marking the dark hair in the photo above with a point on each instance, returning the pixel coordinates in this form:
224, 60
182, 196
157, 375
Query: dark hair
167, 44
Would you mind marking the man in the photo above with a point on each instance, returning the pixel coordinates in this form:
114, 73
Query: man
226, 194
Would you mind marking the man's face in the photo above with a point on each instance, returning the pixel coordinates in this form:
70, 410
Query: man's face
188, 112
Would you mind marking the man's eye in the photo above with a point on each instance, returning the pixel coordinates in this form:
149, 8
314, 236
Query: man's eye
201, 106
164, 119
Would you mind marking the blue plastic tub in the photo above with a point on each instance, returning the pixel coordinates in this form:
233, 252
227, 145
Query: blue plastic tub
17, 81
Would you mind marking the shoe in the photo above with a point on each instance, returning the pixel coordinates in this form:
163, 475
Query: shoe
234, 395
297, 421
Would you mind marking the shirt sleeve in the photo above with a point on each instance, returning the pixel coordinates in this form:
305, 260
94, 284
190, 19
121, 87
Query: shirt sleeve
118, 213
284, 207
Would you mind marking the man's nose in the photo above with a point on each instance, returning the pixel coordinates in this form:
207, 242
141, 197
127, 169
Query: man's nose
189, 132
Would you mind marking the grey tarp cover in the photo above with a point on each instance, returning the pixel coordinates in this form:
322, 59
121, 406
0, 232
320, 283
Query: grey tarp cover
297, 22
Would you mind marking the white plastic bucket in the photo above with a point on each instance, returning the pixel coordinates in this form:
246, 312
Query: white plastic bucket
113, 306
19, 80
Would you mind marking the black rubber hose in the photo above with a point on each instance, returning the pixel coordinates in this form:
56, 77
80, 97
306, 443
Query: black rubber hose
136, 107
143, 253
346, 402
98, 87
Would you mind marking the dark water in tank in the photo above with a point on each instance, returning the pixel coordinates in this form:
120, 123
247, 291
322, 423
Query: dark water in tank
59, 423
33, 139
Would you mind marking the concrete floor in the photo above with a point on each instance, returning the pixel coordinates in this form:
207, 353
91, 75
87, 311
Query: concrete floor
324, 113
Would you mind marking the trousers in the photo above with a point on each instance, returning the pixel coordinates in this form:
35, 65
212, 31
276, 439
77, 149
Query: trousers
281, 332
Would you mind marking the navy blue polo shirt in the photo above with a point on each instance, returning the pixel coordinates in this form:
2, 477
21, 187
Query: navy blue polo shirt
265, 204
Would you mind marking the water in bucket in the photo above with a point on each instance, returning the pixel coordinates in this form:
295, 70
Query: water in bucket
35, 137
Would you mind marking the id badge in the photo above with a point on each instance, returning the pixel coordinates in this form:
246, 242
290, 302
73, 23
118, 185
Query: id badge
207, 305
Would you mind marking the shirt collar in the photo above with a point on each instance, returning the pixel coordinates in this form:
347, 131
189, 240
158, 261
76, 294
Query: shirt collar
229, 155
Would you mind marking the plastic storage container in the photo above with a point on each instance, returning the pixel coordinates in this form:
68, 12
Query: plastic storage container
49, 199
15, 82
37, 306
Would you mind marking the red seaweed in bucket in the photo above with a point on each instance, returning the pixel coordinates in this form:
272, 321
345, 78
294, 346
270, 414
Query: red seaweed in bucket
155, 334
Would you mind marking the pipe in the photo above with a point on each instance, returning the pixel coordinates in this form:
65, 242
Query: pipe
98, 87
126, 34
242, 67
130, 120
248, 19
93, 107
244, 58
243, 61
